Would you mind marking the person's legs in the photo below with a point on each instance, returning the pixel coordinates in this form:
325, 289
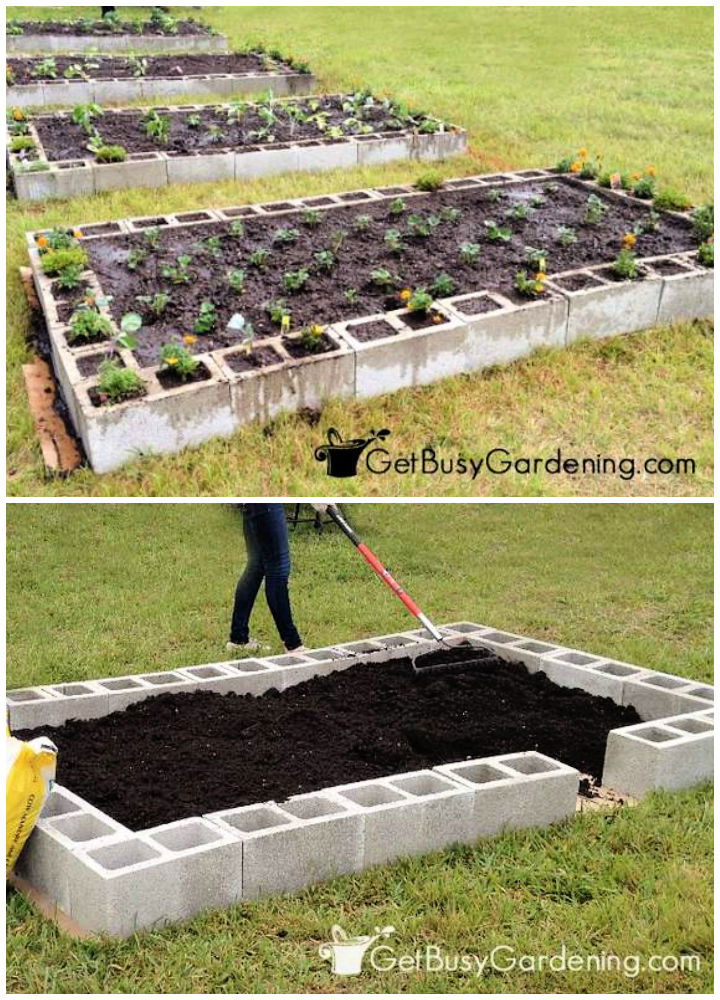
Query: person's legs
274, 548
248, 584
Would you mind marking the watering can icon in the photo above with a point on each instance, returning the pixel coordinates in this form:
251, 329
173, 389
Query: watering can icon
342, 456
347, 953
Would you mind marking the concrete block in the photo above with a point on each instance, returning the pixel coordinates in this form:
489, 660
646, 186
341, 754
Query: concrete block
122, 91
572, 669
124, 691
440, 145
383, 149
610, 307
514, 791
80, 700
447, 808
201, 168
530, 652
325, 155
37, 185
139, 170
29, 708
71, 44
208, 864
672, 753
657, 695
308, 839
265, 162
69, 93
687, 295
25, 95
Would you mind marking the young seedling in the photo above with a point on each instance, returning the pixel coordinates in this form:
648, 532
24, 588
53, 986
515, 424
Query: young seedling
86, 323
157, 303
137, 65
397, 206
521, 212
85, 114
54, 262
530, 286
495, 195
497, 233
237, 228
469, 252
449, 213
116, 383
236, 280
422, 225
706, 254
649, 223
312, 338
442, 286
157, 126
394, 241
703, 222
566, 236
420, 301
383, 278
625, 266
431, 181
178, 273
325, 261
312, 217
110, 154
207, 318
595, 209
193, 121
536, 258
352, 296
177, 359
259, 258
362, 222
278, 312
286, 236
295, 281
152, 237
136, 257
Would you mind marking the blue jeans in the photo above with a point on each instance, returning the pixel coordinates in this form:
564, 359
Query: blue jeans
268, 555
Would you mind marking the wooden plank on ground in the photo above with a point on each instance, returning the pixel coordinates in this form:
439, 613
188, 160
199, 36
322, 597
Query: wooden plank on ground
60, 452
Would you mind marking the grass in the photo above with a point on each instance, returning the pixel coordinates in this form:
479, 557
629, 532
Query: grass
113, 588
526, 97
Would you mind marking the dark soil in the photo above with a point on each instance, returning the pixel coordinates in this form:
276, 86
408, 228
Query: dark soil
322, 300
378, 329
100, 399
175, 756
296, 348
477, 305
89, 364
63, 140
170, 379
188, 27
169, 66
576, 282
259, 357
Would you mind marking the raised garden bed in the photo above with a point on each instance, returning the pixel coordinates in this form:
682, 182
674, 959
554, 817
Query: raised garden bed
372, 340
159, 33
90, 149
311, 784
83, 79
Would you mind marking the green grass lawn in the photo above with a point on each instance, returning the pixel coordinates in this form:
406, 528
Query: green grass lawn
108, 589
529, 84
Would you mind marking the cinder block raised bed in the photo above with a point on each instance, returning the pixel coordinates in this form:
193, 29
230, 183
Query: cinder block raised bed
57, 37
111, 79
115, 880
59, 165
372, 346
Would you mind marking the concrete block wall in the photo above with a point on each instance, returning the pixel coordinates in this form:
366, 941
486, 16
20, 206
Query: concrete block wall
28, 44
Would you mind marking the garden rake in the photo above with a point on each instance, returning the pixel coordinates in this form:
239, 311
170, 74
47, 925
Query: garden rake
463, 645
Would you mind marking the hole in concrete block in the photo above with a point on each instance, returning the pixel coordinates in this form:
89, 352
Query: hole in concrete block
82, 827
160, 679
71, 690
393, 641
616, 670
325, 654
655, 735
205, 672
530, 765
313, 807
662, 681
286, 661
579, 659
372, 795
423, 784
180, 838
707, 693
22, 694
465, 627
248, 666
58, 805
116, 856
253, 820
499, 637
693, 725
317, 202
480, 774
535, 647
119, 684
361, 647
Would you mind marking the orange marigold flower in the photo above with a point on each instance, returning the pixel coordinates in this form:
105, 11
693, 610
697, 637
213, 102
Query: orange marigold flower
582, 153
541, 276
42, 241
77, 233
405, 295
18, 116
636, 175
650, 171
576, 167
629, 240
189, 338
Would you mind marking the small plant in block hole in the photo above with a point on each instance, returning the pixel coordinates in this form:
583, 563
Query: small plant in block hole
177, 359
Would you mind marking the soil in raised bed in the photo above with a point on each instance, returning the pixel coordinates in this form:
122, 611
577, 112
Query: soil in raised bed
362, 250
156, 67
99, 27
179, 755
62, 139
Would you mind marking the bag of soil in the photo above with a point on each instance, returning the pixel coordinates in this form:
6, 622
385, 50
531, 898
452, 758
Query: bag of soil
29, 777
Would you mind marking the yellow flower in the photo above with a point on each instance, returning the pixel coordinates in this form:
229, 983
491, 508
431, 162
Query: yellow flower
77, 233
171, 361
582, 153
17, 114
539, 287
629, 240
541, 276
636, 175
316, 329
650, 171
576, 167
405, 295
189, 338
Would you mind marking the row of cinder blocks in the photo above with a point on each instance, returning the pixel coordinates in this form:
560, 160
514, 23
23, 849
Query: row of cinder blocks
71, 44
62, 93
112, 881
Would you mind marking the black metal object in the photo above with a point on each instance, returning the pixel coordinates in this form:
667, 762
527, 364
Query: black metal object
318, 520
